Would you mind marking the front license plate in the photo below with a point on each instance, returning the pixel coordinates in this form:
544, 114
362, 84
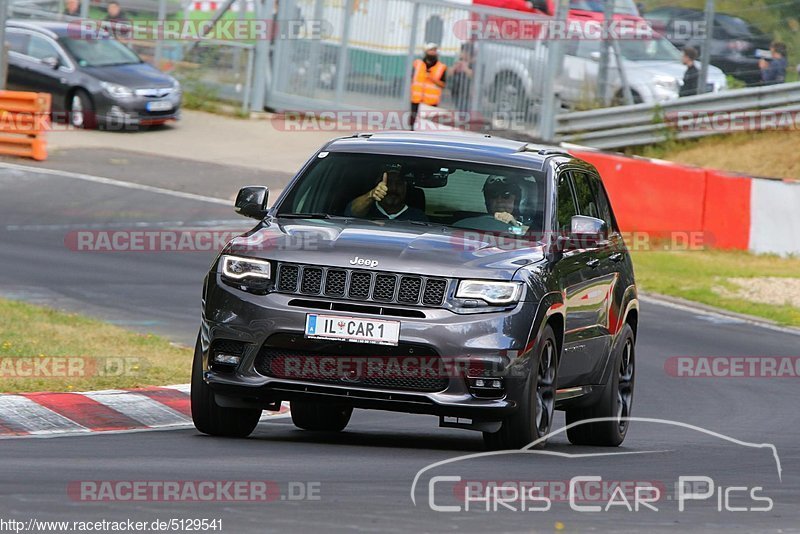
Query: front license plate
159, 105
352, 329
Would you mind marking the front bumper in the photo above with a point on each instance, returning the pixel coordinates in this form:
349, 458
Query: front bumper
494, 342
135, 111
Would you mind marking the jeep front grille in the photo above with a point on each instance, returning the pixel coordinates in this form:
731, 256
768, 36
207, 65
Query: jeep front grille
361, 285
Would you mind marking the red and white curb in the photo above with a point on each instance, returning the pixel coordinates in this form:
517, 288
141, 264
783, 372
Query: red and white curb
115, 410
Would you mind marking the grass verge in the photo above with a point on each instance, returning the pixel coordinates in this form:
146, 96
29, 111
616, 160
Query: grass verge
704, 276
48, 350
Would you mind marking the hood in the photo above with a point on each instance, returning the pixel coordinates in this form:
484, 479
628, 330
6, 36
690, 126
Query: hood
675, 69
133, 75
399, 247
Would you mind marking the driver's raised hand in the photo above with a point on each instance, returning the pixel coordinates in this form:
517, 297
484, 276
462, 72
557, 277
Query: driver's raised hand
379, 191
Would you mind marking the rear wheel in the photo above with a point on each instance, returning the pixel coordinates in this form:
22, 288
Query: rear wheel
534, 416
616, 401
321, 417
211, 418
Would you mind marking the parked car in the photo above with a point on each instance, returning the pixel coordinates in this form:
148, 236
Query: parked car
652, 67
489, 317
93, 81
736, 45
653, 71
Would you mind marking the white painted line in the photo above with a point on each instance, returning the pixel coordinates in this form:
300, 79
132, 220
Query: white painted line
35, 418
183, 388
650, 299
118, 183
139, 407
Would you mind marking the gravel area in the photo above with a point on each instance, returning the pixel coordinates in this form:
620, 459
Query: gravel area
771, 290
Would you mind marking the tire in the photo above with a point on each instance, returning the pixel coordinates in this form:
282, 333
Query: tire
81, 111
534, 417
320, 417
619, 98
616, 401
211, 418
508, 94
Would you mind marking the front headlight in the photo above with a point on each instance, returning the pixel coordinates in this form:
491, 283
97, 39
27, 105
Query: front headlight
490, 292
669, 83
116, 90
236, 268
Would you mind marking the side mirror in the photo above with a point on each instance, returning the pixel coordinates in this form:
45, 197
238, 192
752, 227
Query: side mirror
595, 55
587, 232
51, 61
252, 201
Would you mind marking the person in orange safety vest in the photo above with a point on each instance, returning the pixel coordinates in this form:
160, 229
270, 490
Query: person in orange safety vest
427, 80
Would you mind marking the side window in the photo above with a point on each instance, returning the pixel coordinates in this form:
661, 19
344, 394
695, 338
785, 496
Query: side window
565, 209
585, 195
17, 42
40, 48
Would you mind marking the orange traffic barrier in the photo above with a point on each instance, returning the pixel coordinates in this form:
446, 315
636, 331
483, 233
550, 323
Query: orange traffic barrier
24, 119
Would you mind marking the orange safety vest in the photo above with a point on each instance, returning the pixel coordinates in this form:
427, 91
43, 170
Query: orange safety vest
423, 90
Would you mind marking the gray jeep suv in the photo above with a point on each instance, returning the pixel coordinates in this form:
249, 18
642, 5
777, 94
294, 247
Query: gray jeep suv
478, 279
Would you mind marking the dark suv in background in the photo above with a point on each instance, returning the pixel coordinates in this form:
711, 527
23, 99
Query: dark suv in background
478, 279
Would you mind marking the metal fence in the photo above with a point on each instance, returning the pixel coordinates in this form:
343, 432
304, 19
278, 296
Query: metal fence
758, 108
363, 59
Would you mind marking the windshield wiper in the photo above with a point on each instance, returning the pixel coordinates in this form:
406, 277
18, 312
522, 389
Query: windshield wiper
303, 216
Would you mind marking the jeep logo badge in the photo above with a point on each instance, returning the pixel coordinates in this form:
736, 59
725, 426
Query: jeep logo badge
364, 261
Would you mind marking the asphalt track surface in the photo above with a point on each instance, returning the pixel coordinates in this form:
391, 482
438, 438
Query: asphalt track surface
363, 477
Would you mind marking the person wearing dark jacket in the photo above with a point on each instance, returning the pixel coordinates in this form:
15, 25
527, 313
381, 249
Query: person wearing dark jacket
773, 71
691, 79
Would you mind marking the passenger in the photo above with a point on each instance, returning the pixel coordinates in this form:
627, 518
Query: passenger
387, 200
502, 197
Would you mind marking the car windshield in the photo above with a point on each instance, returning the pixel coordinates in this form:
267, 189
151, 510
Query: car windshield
99, 52
621, 7
649, 50
425, 191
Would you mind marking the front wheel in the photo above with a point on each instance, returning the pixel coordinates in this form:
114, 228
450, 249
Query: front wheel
615, 402
81, 111
534, 416
211, 418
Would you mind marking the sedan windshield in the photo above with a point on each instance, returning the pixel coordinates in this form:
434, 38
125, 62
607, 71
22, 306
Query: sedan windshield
649, 50
621, 7
423, 191
100, 52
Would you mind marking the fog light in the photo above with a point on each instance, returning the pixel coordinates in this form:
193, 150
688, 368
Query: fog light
227, 359
487, 388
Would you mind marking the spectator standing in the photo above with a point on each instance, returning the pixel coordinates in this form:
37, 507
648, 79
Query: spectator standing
427, 81
773, 71
461, 79
691, 79
72, 8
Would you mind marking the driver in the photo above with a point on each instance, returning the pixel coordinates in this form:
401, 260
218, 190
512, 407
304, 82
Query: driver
387, 200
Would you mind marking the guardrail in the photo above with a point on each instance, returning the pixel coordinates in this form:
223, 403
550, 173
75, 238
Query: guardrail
684, 118
24, 119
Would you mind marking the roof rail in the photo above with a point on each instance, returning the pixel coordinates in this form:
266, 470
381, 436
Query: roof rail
542, 151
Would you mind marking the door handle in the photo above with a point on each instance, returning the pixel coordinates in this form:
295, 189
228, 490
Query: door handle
593, 263
617, 256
